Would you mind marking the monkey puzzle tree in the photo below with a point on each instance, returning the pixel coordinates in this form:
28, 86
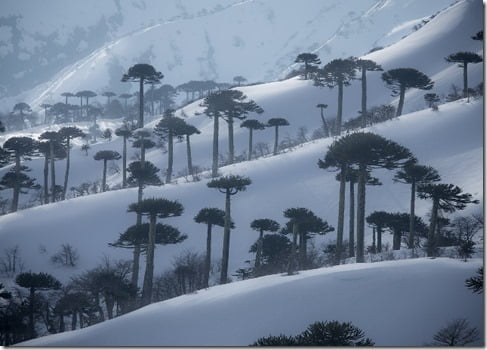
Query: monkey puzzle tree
229, 185
67, 95
125, 131
446, 197
311, 62
276, 123
187, 130
252, 124
106, 155
143, 74
66, 134
364, 66
338, 72
366, 151
52, 137
399, 80
415, 174
125, 97
59, 153
398, 224
210, 217
326, 130
463, 59
108, 95
239, 79
262, 225
153, 208
378, 220
21, 109
36, 282
18, 148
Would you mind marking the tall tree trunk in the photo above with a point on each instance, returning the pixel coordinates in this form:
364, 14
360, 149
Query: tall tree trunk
325, 125
258, 254
411, 216
250, 143
351, 224
104, 177
340, 109
214, 165
431, 232
170, 156
32, 332
188, 156
465, 80
361, 212
364, 97
276, 139
53, 172
379, 239
46, 179
149, 269
62, 327
341, 214
140, 193
226, 240
396, 240
74, 319
66, 174
301, 251
374, 245
208, 256
402, 92
124, 162
16, 189
231, 146
141, 103
292, 257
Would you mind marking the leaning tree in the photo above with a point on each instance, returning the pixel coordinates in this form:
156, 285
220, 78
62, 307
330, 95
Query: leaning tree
143, 74
154, 208
463, 59
311, 62
363, 66
276, 123
446, 197
229, 185
106, 155
415, 174
66, 134
36, 282
251, 124
399, 80
338, 72
210, 217
262, 225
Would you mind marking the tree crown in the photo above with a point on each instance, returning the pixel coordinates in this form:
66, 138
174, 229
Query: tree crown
160, 207
37, 281
230, 184
107, 155
406, 78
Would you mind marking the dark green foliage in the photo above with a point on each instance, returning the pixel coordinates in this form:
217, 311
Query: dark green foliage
161, 207
264, 225
464, 58
311, 62
476, 283
276, 123
213, 216
107, 155
275, 253
139, 235
431, 99
450, 197
11, 179
280, 340
147, 174
253, 124
479, 36
230, 184
398, 225
21, 147
37, 281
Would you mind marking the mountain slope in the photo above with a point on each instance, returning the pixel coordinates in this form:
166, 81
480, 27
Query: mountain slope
399, 303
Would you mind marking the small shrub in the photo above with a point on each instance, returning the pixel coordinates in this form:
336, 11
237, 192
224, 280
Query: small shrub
66, 256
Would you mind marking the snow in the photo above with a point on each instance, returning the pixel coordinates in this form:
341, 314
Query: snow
395, 303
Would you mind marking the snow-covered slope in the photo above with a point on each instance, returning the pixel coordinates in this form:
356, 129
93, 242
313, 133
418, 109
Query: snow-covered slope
185, 40
399, 303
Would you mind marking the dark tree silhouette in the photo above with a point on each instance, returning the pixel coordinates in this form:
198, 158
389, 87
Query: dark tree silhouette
326, 130
125, 131
311, 62
338, 72
431, 99
398, 224
229, 185
378, 220
366, 151
463, 59
21, 109
66, 134
399, 80
415, 174
153, 208
446, 197
276, 123
52, 137
143, 74
187, 130
35, 282
210, 217
251, 124
262, 225
59, 153
106, 155
476, 283
275, 253
479, 36
364, 66
67, 95
239, 79
108, 95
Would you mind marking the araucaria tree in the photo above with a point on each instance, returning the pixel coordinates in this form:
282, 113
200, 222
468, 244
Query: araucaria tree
446, 197
326, 129
229, 185
35, 282
153, 208
378, 220
364, 66
210, 217
463, 59
365, 151
52, 137
311, 62
415, 174
66, 134
18, 148
399, 80
106, 155
252, 124
398, 224
143, 74
186, 131
338, 72
59, 153
262, 225
276, 123
125, 131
